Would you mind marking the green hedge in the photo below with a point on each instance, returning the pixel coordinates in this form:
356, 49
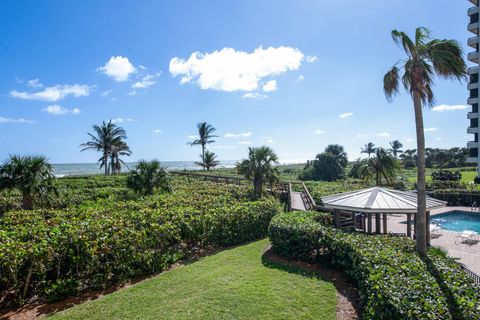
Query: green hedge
457, 197
55, 253
393, 281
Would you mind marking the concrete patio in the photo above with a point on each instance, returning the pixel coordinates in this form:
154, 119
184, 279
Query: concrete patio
467, 253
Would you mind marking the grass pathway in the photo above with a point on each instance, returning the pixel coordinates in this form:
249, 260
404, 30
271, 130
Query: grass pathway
232, 284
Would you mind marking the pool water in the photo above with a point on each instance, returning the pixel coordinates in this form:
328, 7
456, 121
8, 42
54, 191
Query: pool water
458, 221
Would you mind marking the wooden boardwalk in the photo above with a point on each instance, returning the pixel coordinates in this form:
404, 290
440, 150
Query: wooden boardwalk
296, 201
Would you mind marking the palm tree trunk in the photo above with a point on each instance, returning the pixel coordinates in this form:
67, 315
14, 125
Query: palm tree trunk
420, 220
203, 156
27, 202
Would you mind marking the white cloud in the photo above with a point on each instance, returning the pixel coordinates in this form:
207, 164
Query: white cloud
345, 115
34, 83
408, 139
439, 138
245, 142
231, 70
157, 131
9, 120
145, 82
119, 68
446, 107
311, 59
269, 141
270, 86
361, 135
121, 120
54, 93
192, 136
300, 78
318, 131
383, 134
221, 146
106, 93
58, 110
237, 135
432, 129
254, 95
132, 93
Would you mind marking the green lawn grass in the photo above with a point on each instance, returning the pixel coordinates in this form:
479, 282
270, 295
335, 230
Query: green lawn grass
232, 284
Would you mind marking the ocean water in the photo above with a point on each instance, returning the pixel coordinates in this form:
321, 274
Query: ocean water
69, 169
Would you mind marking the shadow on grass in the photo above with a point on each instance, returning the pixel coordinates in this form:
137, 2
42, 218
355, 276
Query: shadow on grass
348, 305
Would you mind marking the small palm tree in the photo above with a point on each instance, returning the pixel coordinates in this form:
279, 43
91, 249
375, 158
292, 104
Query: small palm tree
209, 161
31, 175
118, 149
381, 167
149, 176
205, 136
108, 138
396, 147
426, 58
369, 148
339, 153
260, 168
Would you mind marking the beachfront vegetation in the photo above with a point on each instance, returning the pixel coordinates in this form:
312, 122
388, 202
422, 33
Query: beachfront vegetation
260, 168
381, 168
205, 137
237, 283
109, 140
436, 158
426, 58
394, 281
328, 166
149, 177
32, 176
111, 235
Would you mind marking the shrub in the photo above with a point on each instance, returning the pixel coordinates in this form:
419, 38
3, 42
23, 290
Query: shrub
149, 176
446, 175
456, 197
393, 281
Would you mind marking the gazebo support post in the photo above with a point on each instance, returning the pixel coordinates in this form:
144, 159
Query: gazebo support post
369, 223
377, 223
414, 226
354, 222
428, 227
385, 223
336, 218
409, 225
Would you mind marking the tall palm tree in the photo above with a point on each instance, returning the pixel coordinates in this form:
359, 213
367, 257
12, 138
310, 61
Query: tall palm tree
426, 58
260, 167
105, 139
209, 161
396, 147
205, 136
381, 167
31, 175
118, 149
369, 148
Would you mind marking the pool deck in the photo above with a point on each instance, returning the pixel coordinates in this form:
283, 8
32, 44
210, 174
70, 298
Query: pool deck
467, 253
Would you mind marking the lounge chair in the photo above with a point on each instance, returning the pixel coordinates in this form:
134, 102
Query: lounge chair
467, 236
435, 229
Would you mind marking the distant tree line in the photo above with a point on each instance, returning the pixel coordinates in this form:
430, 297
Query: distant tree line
437, 158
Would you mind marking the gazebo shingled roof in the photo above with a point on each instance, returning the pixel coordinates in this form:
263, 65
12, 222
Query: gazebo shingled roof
378, 200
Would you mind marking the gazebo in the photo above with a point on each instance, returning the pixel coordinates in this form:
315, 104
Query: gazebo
358, 207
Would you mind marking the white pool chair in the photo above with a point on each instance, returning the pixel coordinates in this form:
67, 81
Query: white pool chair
467, 236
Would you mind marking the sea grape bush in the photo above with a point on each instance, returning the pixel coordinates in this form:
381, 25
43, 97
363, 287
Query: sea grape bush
92, 243
393, 281
446, 175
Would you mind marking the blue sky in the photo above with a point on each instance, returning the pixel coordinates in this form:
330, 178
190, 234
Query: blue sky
296, 75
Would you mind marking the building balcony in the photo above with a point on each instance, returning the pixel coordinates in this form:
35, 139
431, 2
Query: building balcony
472, 86
471, 130
472, 145
472, 100
474, 57
473, 42
473, 10
475, 2
473, 70
472, 115
473, 27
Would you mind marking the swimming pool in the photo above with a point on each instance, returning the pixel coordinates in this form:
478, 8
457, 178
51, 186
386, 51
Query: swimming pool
458, 220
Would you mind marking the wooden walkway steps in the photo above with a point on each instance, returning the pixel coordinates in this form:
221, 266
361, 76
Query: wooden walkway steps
296, 202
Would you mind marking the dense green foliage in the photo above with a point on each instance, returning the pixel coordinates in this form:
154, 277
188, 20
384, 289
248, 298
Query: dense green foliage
104, 237
149, 176
446, 175
437, 158
381, 168
237, 283
393, 281
328, 166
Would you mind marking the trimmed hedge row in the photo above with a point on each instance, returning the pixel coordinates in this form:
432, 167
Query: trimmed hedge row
457, 197
56, 253
393, 281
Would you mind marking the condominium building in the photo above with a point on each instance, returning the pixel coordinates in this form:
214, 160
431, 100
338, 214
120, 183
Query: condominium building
473, 57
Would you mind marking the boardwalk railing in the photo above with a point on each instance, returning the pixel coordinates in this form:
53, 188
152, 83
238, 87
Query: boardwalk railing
212, 178
307, 199
475, 277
